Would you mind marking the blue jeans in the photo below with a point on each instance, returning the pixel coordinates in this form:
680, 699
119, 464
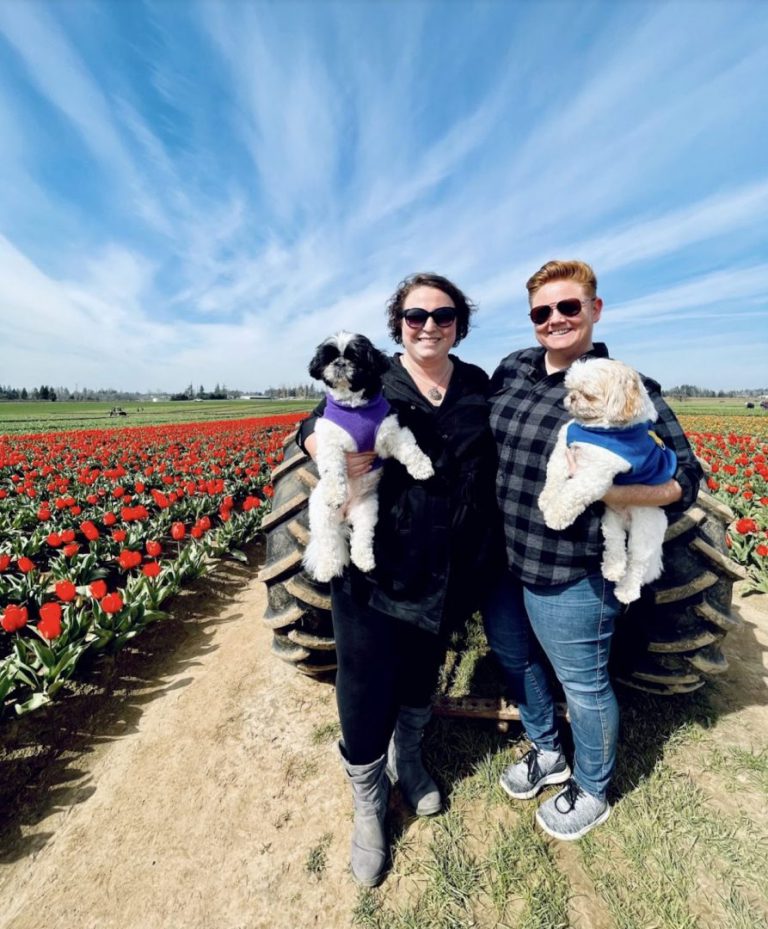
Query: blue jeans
572, 625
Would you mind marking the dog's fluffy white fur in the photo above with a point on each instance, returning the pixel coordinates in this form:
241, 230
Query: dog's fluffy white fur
604, 392
343, 511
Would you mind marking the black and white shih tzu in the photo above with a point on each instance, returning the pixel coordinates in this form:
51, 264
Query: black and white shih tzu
343, 511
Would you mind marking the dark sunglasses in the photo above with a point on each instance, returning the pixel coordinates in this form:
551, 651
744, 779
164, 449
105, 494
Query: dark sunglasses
417, 318
570, 307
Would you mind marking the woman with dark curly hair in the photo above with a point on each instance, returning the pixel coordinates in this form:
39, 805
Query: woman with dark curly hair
433, 542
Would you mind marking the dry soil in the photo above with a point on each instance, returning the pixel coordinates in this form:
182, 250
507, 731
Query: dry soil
196, 784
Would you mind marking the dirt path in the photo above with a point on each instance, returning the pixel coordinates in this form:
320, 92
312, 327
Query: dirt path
197, 803
198, 787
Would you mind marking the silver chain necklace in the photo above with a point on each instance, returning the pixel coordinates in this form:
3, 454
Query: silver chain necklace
433, 393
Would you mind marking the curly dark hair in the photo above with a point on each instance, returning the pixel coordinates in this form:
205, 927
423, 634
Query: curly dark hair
464, 306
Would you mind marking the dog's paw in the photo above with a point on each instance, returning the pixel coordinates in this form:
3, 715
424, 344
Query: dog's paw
336, 496
364, 561
557, 520
548, 505
421, 470
627, 593
324, 571
614, 570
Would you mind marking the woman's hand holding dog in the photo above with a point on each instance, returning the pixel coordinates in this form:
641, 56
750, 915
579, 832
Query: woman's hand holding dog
358, 463
620, 496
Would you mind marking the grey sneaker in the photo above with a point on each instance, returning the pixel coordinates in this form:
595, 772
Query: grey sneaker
572, 813
534, 772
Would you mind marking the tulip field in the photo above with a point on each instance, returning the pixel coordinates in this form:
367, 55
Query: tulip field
736, 463
98, 528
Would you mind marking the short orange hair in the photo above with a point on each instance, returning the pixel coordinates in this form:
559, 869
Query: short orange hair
563, 270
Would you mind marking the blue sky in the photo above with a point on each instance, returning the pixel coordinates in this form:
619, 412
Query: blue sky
202, 191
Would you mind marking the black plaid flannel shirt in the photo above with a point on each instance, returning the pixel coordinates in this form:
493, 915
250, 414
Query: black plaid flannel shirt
526, 415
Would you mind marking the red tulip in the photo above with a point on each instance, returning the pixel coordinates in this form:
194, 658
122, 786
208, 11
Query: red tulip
151, 569
14, 617
112, 603
89, 530
178, 531
160, 499
72, 549
153, 548
5, 561
98, 589
129, 559
50, 621
26, 564
66, 591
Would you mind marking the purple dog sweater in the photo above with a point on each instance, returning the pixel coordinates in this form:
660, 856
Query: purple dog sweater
361, 422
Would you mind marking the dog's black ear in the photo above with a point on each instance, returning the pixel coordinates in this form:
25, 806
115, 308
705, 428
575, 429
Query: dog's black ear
374, 360
316, 366
320, 360
381, 361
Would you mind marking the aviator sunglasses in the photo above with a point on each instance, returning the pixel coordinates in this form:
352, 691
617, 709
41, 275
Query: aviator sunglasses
570, 307
416, 318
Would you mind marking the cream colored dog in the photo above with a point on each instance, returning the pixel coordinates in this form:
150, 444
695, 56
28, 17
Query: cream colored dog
611, 436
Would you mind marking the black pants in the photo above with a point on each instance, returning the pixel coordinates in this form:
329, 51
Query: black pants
384, 663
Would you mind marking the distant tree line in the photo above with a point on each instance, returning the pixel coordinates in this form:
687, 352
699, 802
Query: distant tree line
219, 392
284, 391
45, 392
300, 391
691, 390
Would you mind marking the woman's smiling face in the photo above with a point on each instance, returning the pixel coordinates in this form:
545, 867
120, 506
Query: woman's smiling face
431, 343
566, 338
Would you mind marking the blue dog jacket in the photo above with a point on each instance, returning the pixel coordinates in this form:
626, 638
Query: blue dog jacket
650, 459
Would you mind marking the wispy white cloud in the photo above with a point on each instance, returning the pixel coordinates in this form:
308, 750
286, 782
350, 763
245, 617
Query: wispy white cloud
236, 213
734, 285
59, 74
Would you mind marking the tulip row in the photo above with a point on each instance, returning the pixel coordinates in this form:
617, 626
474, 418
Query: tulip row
737, 474
99, 528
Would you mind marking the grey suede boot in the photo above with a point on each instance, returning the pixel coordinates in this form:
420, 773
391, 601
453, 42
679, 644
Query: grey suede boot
404, 762
370, 791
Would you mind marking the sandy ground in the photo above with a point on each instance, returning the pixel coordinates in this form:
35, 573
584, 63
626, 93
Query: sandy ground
197, 796
194, 784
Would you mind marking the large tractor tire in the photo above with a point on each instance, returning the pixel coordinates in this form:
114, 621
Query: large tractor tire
298, 607
669, 642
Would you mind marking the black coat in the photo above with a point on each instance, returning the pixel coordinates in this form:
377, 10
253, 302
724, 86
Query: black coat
436, 541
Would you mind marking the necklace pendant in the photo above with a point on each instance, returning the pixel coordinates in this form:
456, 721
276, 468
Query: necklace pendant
434, 394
